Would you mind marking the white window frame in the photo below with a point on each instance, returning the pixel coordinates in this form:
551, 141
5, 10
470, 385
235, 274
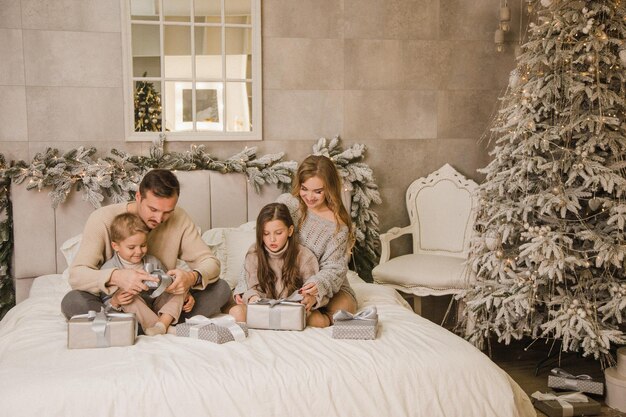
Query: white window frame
129, 81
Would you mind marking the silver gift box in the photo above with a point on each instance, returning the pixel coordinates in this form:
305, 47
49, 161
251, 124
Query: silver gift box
98, 330
211, 332
276, 315
362, 325
574, 383
355, 329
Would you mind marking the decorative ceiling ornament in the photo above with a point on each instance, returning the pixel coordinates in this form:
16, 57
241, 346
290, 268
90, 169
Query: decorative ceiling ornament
505, 16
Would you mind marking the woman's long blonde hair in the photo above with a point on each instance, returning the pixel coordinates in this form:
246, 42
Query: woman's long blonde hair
323, 168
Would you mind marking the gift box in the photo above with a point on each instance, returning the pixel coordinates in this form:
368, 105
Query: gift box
283, 314
217, 330
98, 330
561, 379
565, 404
362, 325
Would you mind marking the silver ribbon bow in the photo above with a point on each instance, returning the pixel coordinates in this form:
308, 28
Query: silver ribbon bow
100, 324
564, 400
369, 313
570, 381
294, 298
198, 322
275, 314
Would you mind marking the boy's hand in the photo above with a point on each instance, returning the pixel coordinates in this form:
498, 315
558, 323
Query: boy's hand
121, 298
189, 303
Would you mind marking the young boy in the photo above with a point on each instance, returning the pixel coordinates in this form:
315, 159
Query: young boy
129, 236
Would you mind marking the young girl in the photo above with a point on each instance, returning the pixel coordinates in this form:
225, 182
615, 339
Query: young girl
324, 227
129, 235
276, 265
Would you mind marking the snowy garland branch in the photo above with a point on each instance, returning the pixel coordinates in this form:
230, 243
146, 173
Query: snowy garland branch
116, 177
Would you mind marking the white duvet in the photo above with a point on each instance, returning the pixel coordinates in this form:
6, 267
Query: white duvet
413, 368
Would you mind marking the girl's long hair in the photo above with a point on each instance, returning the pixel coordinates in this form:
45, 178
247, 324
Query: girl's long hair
265, 275
322, 167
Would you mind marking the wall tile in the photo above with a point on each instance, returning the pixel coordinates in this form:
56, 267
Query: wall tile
391, 64
465, 113
103, 149
302, 19
390, 114
474, 65
74, 15
13, 114
302, 64
12, 61
465, 155
292, 115
391, 19
75, 59
10, 14
75, 114
14, 151
475, 20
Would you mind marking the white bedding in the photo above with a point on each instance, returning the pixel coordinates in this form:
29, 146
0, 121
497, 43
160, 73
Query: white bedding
413, 368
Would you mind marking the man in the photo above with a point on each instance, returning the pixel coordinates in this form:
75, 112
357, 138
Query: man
172, 235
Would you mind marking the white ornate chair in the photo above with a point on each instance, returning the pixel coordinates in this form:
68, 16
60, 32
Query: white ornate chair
442, 211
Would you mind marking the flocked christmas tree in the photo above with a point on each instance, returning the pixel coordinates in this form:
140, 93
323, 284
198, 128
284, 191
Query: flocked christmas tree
549, 256
147, 107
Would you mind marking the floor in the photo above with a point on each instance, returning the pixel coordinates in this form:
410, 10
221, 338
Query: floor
520, 359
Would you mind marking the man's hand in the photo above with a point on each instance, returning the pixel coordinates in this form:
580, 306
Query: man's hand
183, 280
130, 280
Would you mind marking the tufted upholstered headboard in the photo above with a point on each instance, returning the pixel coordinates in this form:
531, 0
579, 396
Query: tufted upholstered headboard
212, 199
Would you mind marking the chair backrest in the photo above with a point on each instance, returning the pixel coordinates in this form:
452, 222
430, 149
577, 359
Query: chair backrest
442, 210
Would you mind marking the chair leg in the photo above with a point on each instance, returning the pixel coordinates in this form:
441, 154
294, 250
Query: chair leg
417, 305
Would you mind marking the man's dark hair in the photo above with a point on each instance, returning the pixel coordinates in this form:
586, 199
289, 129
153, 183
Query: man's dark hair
161, 182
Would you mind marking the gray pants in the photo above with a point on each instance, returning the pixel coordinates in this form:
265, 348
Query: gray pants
208, 301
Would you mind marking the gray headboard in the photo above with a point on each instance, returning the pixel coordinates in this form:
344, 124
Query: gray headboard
212, 199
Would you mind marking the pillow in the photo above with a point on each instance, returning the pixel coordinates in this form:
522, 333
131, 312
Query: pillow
70, 247
230, 246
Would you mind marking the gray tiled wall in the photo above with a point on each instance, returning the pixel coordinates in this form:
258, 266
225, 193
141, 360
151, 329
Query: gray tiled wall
414, 80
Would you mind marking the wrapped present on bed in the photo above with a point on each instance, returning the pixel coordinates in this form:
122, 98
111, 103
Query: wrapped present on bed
218, 330
561, 379
565, 404
362, 325
102, 329
283, 314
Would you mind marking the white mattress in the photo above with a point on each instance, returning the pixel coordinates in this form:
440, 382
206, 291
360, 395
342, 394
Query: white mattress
413, 368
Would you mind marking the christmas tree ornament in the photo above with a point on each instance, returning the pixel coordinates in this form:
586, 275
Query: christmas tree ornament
505, 16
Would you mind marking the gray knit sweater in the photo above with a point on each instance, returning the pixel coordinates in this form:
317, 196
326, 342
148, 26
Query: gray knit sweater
329, 245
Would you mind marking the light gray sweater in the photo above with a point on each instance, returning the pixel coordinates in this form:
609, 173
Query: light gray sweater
329, 245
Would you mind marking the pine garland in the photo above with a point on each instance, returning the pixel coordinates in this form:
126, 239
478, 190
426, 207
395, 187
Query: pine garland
116, 177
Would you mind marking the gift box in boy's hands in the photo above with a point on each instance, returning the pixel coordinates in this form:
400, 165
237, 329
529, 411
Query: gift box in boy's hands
284, 314
565, 404
96, 330
362, 325
218, 330
561, 379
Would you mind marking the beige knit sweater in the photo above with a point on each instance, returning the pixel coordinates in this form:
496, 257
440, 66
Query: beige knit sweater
307, 267
176, 238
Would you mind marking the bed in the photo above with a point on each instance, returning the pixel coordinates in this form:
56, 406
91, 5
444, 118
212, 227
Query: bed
413, 368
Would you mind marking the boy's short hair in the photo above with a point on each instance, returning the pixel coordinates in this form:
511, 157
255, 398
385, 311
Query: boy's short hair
125, 225
160, 182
